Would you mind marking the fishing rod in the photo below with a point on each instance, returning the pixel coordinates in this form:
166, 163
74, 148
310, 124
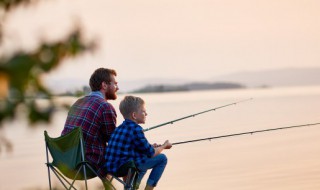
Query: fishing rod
193, 115
244, 133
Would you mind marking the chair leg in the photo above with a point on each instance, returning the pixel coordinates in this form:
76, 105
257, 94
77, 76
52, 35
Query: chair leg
47, 156
85, 176
62, 179
130, 181
74, 180
107, 183
49, 177
83, 159
133, 181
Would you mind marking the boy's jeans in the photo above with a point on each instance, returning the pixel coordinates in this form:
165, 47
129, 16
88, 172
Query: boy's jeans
157, 164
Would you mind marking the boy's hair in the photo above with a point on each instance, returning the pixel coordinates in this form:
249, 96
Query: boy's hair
100, 75
129, 105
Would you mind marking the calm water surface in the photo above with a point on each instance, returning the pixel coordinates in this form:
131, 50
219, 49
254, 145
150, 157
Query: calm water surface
279, 160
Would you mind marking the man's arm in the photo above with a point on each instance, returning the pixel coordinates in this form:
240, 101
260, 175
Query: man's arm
109, 121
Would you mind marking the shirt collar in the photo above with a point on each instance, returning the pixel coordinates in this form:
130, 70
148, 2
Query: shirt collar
129, 121
97, 93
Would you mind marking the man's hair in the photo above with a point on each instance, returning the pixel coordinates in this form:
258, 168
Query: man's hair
129, 105
100, 75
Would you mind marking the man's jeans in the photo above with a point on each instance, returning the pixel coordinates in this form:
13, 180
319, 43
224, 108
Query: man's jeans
157, 164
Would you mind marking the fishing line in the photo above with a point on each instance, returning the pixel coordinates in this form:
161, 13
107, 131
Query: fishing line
244, 133
193, 115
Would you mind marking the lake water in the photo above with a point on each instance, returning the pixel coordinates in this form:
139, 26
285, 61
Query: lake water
278, 160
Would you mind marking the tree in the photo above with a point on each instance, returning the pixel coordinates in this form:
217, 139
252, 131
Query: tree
20, 72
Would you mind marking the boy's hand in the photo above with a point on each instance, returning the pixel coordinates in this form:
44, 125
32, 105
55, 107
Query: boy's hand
167, 145
155, 145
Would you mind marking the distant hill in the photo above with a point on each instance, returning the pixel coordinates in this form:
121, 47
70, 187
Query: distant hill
134, 85
280, 77
189, 87
252, 79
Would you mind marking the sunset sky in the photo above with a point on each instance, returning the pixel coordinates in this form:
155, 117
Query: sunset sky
174, 39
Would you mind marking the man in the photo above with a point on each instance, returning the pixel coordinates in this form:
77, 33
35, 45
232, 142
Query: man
95, 116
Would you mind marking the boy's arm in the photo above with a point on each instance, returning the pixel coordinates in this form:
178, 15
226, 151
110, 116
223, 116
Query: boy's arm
159, 149
141, 144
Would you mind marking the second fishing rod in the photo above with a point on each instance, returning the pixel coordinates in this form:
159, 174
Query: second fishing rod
193, 115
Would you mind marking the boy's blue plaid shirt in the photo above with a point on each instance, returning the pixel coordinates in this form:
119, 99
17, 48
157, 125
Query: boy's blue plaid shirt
127, 142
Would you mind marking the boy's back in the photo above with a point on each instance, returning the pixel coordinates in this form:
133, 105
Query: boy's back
127, 142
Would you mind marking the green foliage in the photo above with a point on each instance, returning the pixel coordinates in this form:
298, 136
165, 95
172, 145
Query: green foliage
8, 4
20, 74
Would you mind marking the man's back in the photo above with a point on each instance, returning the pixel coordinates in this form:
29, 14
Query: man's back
97, 118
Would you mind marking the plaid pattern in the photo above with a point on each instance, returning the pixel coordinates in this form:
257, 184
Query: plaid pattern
127, 143
98, 120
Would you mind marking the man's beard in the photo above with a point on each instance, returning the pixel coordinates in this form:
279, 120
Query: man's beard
110, 95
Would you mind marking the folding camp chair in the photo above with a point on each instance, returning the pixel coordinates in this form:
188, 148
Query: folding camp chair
68, 160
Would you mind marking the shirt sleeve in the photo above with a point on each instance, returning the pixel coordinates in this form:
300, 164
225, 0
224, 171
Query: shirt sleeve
141, 143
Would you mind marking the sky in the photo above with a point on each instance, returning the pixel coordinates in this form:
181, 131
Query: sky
173, 39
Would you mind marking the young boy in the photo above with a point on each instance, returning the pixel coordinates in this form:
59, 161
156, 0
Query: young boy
128, 142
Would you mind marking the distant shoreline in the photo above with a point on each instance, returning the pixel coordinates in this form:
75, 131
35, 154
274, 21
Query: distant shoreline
189, 87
